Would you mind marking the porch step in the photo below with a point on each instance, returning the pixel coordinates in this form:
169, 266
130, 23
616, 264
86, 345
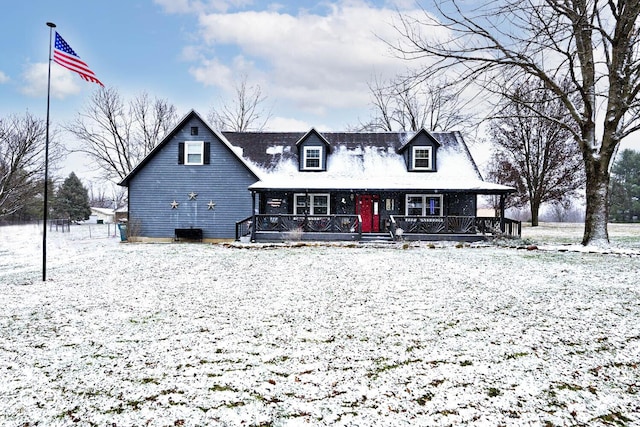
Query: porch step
376, 237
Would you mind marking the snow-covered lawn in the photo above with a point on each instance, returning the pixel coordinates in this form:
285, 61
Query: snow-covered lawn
196, 334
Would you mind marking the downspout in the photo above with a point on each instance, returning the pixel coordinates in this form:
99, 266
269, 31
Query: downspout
253, 216
502, 223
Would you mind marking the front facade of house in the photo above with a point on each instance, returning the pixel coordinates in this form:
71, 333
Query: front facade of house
273, 186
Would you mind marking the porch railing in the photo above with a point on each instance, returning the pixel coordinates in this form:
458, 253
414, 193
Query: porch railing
492, 225
299, 224
243, 228
454, 225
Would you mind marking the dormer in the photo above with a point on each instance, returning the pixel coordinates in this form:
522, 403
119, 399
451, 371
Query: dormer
313, 149
420, 152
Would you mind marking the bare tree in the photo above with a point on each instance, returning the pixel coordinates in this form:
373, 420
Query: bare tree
22, 144
406, 104
117, 135
535, 153
244, 113
592, 44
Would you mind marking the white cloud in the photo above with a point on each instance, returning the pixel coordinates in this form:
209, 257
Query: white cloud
3, 78
200, 6
63, 82
317, 62
287, 124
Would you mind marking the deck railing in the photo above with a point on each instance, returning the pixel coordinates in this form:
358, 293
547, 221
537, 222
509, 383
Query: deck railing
299, 224
454, 225
342, 224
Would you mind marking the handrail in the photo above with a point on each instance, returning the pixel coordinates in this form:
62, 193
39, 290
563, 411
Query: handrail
243, 227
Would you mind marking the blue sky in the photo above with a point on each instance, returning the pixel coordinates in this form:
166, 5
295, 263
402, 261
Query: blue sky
312, 59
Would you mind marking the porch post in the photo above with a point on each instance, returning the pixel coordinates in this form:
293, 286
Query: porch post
253, 216
502, 223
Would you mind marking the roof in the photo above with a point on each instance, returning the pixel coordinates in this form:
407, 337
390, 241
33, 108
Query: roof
361, 160
357, 161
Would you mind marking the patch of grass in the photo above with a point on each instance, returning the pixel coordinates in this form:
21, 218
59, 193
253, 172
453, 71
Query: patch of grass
387, 367
422, 400
613, 418
493, 392
466, 363
218, 387
149, 380
516, 355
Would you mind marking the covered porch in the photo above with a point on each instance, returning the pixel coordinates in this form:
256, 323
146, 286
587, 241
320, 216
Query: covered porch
288, 213
280, 228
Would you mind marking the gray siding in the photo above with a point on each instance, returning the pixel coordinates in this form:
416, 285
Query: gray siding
224, 181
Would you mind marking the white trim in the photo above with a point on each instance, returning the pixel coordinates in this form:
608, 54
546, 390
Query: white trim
424, 198
305, 157
310, 206
197, 145
426, 148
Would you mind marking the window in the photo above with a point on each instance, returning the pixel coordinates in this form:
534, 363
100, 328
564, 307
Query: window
422, 158
194, 153
194, 130
312, 158
311, 204
423, 205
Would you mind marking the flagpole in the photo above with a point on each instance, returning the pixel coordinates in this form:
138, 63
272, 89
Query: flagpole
51, 26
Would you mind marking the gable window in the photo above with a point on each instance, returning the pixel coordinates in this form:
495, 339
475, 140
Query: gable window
311, 204
194, 153
423, 158
194, 130
312, 158
423, 205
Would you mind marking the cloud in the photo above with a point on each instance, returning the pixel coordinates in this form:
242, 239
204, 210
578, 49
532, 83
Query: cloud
63, 82
319, 62
3, 78
201, 6
287, 124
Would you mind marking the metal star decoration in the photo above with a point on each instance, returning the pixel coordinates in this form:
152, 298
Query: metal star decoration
174, 205
211, 205
193, 195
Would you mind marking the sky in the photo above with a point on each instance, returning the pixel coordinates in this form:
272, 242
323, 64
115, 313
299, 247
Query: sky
312, 59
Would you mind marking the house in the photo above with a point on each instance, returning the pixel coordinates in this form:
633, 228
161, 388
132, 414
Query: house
271, 186
101, 216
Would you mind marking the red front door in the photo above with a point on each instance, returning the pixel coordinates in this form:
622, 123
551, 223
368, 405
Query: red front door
367, 206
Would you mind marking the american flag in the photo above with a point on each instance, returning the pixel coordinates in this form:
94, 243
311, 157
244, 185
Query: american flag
65, 56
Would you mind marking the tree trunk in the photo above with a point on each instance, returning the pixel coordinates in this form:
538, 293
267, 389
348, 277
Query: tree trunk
597, 212
535, 212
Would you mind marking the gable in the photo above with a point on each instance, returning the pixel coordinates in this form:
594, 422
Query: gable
313, 150
173, 148
421, 152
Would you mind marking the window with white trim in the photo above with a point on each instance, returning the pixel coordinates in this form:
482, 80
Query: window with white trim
423, 205
312, 158
311, 204
194, 153
423, 158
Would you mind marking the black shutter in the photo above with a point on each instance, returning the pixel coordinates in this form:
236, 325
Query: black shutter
181, 153
207, 155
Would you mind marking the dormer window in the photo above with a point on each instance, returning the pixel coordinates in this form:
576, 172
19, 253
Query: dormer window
422, 158
312, 158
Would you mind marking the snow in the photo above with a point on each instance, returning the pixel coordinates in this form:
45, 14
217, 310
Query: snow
421, 334
374, 168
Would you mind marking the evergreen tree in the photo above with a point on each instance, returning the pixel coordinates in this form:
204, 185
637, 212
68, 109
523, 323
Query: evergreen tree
72, 200
624, 194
